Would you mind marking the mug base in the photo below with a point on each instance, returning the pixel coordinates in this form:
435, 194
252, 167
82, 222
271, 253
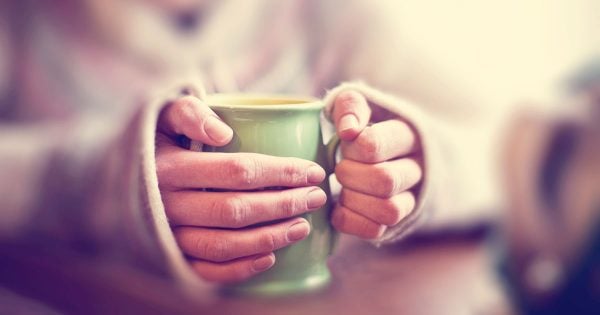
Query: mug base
276, 288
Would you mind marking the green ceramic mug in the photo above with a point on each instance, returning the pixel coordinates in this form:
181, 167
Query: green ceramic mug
290, 127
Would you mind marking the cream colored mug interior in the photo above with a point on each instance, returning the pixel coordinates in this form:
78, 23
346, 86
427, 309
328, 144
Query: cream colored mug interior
235, 100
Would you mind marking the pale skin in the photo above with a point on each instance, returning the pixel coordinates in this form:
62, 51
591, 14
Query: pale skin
378, 172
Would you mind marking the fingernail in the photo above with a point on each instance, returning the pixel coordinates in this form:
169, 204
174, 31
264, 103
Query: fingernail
348, 122
316, 198
263, 263
217, 130
316, 174
297, 231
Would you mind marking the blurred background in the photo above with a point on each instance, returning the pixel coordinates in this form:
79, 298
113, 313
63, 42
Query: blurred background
512, 88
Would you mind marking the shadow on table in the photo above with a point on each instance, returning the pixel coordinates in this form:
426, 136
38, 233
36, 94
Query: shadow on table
428, 274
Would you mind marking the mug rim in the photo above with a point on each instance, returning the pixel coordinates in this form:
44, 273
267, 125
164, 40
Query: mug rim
283, 101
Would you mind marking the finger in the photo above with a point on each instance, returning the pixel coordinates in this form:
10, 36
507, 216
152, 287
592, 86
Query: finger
381, 180
381, 142
386, 211
351, 114
219, 245
239, 209
190, 117
235, 270
350, 222
178, 168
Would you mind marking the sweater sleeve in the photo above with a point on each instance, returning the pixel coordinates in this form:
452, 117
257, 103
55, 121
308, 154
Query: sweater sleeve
75, 185
176, 264
88, 185
458, 189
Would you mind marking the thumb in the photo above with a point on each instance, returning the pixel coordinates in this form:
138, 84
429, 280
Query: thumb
189, 116
351, 114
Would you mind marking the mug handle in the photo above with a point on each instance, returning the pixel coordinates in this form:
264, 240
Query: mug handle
331, 149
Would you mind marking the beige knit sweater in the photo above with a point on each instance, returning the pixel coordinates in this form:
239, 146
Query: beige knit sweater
78, 118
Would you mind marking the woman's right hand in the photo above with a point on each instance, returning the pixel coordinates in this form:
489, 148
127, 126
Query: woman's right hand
216, 229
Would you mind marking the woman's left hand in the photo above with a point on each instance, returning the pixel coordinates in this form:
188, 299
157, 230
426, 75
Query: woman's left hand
381, 165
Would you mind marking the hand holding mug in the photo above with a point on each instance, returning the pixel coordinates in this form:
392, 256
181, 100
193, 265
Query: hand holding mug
380, 166
216, 229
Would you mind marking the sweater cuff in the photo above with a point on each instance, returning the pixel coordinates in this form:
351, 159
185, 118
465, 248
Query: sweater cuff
417, 119
178, 267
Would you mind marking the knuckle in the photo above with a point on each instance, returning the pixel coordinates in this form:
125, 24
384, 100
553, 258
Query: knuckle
402, 181
286, 207
393, 212
235, 212
417, 173
404, 130
293, 174
406, 203
369, 230
369, 146
243, 172
386, 183
347, 98
216, 249
186, 102
397, 207
185, 106
289, 204
266, 243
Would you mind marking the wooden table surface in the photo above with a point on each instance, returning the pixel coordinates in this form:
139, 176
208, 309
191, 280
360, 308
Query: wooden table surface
441, 275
